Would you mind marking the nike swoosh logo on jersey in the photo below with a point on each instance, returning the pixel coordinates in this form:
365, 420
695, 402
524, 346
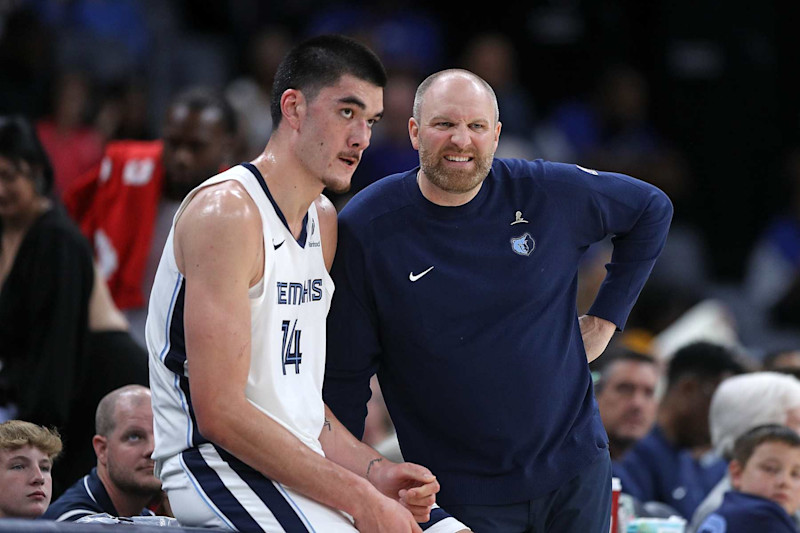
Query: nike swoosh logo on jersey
279, 244
415, 277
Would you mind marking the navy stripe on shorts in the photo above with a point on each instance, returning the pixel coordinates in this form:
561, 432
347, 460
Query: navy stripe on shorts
214, 488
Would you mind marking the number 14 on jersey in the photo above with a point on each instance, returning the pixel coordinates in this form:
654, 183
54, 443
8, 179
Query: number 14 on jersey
291, 346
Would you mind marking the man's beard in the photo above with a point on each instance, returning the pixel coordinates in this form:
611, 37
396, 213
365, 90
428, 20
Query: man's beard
452, 180
126, 482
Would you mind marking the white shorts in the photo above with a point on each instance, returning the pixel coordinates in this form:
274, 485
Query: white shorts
208, 487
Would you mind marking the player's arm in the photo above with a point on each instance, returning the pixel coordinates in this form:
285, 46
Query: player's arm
219, 248
411, 484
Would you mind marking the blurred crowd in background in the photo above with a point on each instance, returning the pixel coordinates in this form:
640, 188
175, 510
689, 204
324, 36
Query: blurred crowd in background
696, 99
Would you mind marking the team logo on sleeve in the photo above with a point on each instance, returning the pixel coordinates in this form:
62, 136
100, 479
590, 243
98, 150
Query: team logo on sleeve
523, 245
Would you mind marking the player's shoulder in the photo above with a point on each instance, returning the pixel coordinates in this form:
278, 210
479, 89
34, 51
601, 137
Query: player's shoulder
326, 211
230, 183
222, 216
223, 198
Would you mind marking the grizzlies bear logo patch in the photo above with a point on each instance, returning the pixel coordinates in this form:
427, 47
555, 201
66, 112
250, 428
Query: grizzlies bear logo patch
523, 245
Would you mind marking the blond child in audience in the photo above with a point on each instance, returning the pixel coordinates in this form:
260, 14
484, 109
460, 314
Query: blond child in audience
27, 452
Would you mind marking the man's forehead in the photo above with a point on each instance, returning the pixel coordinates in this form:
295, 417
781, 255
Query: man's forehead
453, 93
130, 406
23, 452
350, 87
629, 366
134, 423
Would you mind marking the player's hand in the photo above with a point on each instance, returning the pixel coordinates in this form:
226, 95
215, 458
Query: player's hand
596, 333
412, 485
384, 515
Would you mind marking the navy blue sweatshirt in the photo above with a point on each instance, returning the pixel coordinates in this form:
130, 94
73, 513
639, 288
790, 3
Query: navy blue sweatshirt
468, 315
88, 496
746, 513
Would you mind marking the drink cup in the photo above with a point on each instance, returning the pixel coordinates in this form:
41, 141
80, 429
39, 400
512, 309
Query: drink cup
616, 489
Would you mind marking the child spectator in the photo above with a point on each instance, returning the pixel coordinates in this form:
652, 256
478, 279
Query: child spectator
765, 474
27, 452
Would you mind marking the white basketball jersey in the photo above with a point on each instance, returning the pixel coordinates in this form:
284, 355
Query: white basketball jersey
288, 312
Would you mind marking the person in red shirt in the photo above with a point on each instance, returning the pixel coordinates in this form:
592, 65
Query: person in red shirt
72, 145
125, 204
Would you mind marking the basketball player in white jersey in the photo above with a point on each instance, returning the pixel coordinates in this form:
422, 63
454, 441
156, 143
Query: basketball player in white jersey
236, 327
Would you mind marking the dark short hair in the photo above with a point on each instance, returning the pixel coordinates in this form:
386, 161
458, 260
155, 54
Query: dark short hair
746, 445
705, 360
600, 366
18, 143
202, 98
320, 62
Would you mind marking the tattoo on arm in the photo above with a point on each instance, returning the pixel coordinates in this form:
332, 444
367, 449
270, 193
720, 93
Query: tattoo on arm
369, 466
327, 424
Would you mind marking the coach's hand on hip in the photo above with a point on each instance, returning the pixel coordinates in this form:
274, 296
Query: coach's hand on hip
596, 333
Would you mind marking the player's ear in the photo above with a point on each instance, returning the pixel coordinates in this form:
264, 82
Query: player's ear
413, 132
293, 106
